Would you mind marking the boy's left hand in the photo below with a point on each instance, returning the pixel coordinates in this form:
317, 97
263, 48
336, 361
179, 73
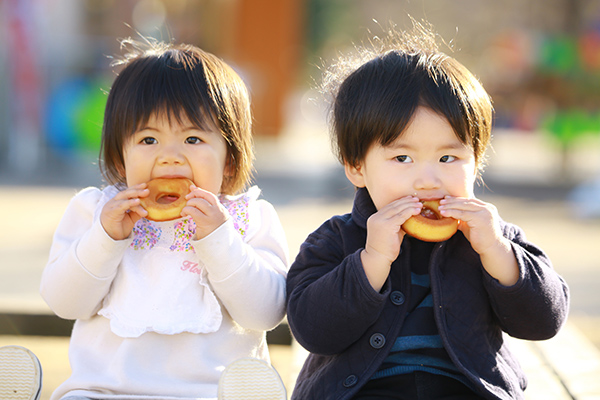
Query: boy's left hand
479, 221
206, 210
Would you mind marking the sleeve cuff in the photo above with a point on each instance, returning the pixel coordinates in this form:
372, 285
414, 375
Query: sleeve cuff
222, 252
98, 253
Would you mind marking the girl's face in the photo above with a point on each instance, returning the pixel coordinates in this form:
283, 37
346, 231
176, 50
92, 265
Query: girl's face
427, 160
162, 150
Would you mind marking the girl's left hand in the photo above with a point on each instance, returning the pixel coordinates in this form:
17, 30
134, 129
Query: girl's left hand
479, 221
206, 210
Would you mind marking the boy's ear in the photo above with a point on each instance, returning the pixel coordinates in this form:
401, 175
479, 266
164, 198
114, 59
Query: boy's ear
355, 175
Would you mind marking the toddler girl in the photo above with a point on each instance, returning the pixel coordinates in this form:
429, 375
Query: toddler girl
162, 307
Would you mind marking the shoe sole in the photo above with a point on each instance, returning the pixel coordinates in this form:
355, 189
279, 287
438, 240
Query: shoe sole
251, 379
20, 374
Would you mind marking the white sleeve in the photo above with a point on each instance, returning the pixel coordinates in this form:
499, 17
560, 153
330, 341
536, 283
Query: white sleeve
248, 273
83, 259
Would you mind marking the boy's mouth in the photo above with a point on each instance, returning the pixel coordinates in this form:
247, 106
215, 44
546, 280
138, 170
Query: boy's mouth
429, 213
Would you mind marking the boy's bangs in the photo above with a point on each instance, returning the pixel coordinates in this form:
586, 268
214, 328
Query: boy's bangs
407, 81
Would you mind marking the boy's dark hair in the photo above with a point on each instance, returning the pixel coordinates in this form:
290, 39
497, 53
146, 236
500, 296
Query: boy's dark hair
375, 102
177, 81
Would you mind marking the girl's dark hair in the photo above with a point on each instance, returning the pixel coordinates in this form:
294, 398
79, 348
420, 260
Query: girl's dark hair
375, 102
177, 81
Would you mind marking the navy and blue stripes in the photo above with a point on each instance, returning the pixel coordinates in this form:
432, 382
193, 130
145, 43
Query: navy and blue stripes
419, 346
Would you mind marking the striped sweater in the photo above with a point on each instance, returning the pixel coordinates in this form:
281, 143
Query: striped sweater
418, 346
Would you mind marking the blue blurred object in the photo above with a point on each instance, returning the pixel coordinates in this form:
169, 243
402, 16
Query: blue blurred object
74, 114
584, 199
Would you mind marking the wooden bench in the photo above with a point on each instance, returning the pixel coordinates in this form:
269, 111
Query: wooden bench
565, 367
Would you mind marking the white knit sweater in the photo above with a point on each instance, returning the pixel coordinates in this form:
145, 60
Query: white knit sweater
159, 316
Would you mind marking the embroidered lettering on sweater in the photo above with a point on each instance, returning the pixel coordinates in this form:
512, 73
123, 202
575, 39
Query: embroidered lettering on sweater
191, 267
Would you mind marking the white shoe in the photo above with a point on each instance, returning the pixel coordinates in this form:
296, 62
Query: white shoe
251, 379
20, 374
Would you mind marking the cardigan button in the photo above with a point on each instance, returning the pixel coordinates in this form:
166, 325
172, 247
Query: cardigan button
397, 297
350, 381
377, 341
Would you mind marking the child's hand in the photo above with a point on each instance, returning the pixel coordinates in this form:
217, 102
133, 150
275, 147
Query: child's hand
120, 213
384, 237
206, 210
480, 223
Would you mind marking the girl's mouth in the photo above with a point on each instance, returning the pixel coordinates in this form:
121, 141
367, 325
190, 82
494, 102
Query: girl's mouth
167, 198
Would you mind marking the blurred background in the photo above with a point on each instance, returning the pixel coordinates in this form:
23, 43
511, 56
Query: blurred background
539, 60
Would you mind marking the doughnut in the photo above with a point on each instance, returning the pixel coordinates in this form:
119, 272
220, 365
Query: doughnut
166, 198
430, 226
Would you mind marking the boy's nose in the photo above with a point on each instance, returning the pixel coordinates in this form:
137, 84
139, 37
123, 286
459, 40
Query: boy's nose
426, 179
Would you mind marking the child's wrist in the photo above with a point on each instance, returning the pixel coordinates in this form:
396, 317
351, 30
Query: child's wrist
374, 258
501, 263
376, 267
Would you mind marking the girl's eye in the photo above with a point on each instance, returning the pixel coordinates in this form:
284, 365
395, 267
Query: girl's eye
447, 159
149, 140
193, 140
403, 159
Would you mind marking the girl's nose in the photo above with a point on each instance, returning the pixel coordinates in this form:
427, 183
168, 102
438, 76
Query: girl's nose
171, 155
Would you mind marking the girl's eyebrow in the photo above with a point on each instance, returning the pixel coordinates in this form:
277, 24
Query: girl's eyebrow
184, 129
146, 128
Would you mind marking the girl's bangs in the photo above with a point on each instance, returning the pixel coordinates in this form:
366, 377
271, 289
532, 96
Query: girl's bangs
174, 92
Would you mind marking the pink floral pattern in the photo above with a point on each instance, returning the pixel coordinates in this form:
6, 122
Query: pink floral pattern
238, 210
145, 235
177, 235
184, 232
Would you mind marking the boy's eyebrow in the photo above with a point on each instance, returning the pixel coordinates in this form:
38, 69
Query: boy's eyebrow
448, 146
454, 146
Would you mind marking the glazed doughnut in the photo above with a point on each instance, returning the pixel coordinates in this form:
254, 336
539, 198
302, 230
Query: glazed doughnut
166, 198
430, 226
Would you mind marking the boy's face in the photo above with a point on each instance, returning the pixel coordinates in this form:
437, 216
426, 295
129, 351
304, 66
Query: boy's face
162, 150
427, 160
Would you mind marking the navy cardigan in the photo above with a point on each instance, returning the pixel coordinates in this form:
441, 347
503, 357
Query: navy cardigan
349, 328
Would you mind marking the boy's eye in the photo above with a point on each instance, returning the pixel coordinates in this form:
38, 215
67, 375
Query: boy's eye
403, 159
193, 140
149, 140
447, 159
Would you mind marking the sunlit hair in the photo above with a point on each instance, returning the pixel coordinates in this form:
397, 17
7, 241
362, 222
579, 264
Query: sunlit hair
376, 92
177, 81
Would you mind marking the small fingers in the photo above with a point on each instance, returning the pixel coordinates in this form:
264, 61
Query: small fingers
196, 192
129, 200
455, 206
138, 209
409, 205
198, 203
136, 191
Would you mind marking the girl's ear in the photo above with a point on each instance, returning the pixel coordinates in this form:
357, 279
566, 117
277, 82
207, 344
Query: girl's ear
355, 175
229, 166
121, 170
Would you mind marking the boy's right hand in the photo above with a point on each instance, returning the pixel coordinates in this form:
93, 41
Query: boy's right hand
120, 213
384, 237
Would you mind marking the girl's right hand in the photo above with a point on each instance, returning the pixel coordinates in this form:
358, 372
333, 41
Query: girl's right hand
120, 213
384, 237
